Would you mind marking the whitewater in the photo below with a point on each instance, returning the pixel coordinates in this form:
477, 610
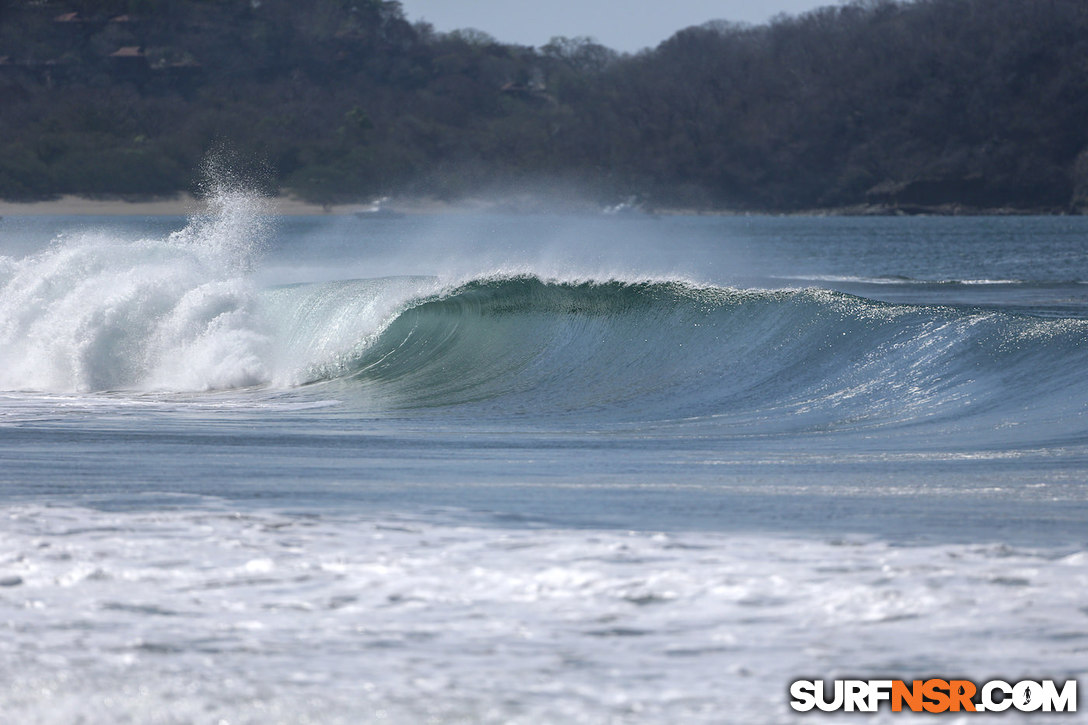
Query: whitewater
481, 467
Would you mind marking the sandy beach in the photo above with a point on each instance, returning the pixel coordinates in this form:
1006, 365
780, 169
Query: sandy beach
187, 204
180, 205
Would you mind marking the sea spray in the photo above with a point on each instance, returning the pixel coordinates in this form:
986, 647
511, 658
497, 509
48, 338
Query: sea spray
237, 222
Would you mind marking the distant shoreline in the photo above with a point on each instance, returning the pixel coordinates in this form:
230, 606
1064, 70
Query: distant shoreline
180, 205
188, 205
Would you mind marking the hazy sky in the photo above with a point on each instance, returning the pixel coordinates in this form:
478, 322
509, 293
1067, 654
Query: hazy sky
626, 26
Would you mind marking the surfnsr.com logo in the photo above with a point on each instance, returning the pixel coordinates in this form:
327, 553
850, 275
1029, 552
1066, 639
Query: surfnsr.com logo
933, 695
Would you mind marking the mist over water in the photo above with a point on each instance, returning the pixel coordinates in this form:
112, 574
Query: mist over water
532, 468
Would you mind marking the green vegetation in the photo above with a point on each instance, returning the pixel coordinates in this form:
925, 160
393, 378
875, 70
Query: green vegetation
966, 104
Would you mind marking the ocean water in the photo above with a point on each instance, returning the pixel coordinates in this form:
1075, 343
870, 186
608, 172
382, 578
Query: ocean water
486, 468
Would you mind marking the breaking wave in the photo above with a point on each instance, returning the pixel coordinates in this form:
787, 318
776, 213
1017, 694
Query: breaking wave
182, 313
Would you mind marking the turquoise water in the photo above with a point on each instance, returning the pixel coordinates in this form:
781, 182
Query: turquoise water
495, 468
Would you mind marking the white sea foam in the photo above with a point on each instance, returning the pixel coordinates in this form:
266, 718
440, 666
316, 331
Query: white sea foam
204, 614
96, 313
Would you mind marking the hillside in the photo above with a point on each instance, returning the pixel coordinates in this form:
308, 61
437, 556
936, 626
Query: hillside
947, 105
